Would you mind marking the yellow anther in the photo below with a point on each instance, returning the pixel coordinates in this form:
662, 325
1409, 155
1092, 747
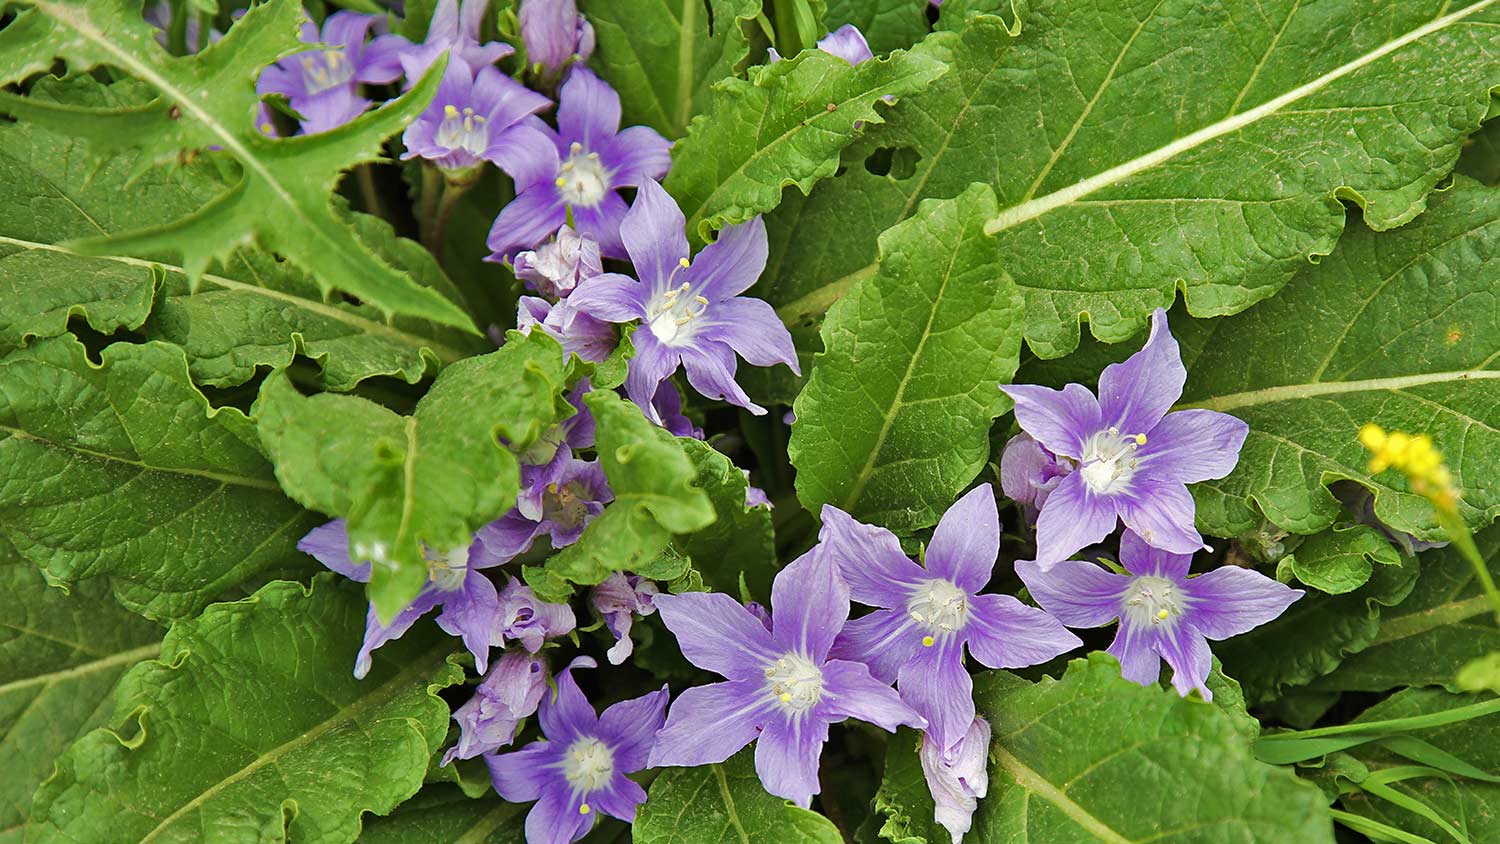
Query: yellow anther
786, 697
683, 262
266, 128
702, 300
561, 182
1164, 614
468, 111
449, 111
575, 147
927, 641
1140, 439
584, 809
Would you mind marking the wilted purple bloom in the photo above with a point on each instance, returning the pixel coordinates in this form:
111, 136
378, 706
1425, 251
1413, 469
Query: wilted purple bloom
525, 618
930, 614
1163, 613
782, 691
1134, 459
580, 334
509, 693
563, 263
958, 778
454, 582
323, 85
568, 503
579, 166
471, 118
579, 770
456, 32
554, 35
691, 312
846, 42
618, 600
1029, 473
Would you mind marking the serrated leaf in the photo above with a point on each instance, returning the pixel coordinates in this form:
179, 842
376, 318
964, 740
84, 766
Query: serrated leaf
207, 99
886, 24
1397, 340
895, 419
426, 480
1141, 147
724, 804
784, 127
663, 56
250, 729
740, 544
652, 481
125, 470
60, 655
444, 815
1428, 637
1095, 757
1341, 559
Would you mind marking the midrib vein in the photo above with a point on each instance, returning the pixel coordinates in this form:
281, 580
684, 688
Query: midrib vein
220, 477
1290, 392
685, 45
729, 808
104, 663
1031, 209
1036, 784
1396, 629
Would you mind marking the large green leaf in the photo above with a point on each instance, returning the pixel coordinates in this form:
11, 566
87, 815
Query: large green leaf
124, 470
250, 728
663, 56
428, 480
1387, 329
1427, 638
740, 545
1094, 757
886, 24
724, 804
1145, 146
655, 497
895, 420
60, 656
784, 127
1340, 559
443, 814
208, 99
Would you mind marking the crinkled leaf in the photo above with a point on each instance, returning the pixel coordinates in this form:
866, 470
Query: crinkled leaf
724, 804
444, 815
784, 127
426, 480
1145, 146
250, 728
655, 497
740, 544
208, 99
895, 420
1340, 559
124, 470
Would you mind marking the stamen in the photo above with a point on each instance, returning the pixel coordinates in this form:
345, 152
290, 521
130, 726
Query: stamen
584, 809
927, 641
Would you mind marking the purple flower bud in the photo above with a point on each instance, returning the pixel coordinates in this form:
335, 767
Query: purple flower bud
754, 495
565, 262
958, 778
618, 600
1029, 472
509, 693
529, 620
555, 35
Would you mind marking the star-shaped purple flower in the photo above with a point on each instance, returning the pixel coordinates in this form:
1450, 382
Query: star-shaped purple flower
454, 30
510, 692
579, 166
323, 85
691, 312
782, 691
472, 118
1163, 613
929, 615
454, 582
579, 770
1134, 460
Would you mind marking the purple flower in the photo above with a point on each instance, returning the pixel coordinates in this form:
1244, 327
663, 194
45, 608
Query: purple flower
782, 691
1029, 473
471, 118
455, 32
509, 693
1134, 459
846, 42
958, 778
454, 582
618, 600
754, 495
580, 166
555, 35
524, 618
1163, 613
565, 262
579, 770
580, 334
667, 406
930, 614
323, 85
691, 313
566, 504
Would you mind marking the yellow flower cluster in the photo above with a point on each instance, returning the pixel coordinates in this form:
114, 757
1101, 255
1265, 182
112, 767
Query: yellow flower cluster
1413, 456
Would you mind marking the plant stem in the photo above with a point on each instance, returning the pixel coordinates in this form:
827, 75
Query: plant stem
1459, 533
365, 174
427, 200
453, 191
804, 310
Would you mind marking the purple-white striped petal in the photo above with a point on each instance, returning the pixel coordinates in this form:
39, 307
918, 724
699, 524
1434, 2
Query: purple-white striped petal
1005, 633
966, 542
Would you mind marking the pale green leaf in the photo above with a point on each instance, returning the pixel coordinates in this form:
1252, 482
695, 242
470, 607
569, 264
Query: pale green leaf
1341, 559
724, 804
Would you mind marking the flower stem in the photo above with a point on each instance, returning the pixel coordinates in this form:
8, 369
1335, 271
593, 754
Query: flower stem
365, 175
1459, 534
427, 201
454, 185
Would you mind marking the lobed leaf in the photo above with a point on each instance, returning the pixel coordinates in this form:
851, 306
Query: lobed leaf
1340, 559
724, 803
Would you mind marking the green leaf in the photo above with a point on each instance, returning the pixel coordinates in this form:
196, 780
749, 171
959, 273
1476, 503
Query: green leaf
1481, 158
1141, 147
895, 420
1426, 639
652, 480
430, 479
250, 728
724, 804
124, 470
786, 127
1397, 340
904, 801
208, 99
886, 24
662, 56
1341, 559
444, 815
741, 543
60, 656
1095, 757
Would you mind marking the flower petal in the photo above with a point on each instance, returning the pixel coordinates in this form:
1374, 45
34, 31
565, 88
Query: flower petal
1140, 558
1005, 633
1185, 649
710, 369
1135, 394
555, 819
1073, 518
1135, 648
848, 43
566, 714
717, 634
619, 798
1193, 445
655, 235
936, 685
502, 99
709, 724
527, 221
752, 328
730, 265
1161, 512
527, 153
967, 540
602, 223
1078, 594
870, 559
377, 634
1061, 420
611, 297
522, 775
1231, 600
470, 614
786, 758
809, 605
850, 692
631, 725
328, 543
636, 154
588, 110
651, 365
885, 640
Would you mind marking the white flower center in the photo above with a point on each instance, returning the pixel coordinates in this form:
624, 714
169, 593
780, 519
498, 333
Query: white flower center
588, 765
671, 315
325, 70
463, 130
448, 569
1109, 460
582, 179
1153, 600
940, 607
795, 682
